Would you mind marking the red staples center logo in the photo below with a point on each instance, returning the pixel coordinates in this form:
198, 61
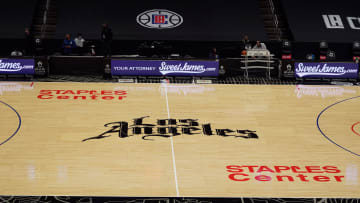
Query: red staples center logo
245, 173
159, 19
82, 94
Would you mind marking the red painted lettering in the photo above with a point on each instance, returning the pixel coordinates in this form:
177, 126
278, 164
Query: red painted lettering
45, 91
234, 168
45, 96
94, 92
82, 92
82, 97
278, 169
338, 178
251, 168
322, 178
265, 169
108, 98
234, 178
302, 178
313, 169
263, 178
331, 169
63, 97
281, 178
58, 91
120, 92
68, 92
106, 92
296, 168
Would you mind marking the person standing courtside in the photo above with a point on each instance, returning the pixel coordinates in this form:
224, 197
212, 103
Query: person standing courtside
213, 54
106, 38
246, 43
68, 45
29, 43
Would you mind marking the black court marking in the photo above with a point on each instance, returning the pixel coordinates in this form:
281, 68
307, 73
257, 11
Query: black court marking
318, 125
19, 126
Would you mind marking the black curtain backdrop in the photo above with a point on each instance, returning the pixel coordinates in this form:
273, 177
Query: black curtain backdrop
203, 19
15, 15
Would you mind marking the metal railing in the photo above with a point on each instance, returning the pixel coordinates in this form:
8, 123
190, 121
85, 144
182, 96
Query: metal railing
44, 25
275, 19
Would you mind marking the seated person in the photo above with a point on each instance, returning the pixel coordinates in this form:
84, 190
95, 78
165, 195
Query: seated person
79, 41
213, 54
16, 52
259, 46
68, 45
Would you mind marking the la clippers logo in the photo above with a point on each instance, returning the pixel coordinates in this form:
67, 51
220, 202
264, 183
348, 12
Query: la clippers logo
159, 19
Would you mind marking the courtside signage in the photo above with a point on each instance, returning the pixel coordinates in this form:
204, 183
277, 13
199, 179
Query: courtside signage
165, 68
326, 70
17, 66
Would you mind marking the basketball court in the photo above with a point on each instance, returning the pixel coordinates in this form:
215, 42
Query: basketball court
172, 140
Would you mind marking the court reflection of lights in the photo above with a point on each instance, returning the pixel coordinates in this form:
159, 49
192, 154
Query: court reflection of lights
31, 170
352, 175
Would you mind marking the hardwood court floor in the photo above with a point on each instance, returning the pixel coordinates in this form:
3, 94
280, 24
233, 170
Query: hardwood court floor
302, 147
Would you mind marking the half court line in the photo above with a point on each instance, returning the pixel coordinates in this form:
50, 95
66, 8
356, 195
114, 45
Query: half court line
172, 144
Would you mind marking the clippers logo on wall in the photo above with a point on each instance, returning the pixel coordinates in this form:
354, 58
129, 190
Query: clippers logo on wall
159, 19
326, 70
284, 173
336, 22
17, 66
314, 21
161, 68
166, 128
83, 95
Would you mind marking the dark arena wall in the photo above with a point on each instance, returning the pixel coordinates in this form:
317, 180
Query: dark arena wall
15, 15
